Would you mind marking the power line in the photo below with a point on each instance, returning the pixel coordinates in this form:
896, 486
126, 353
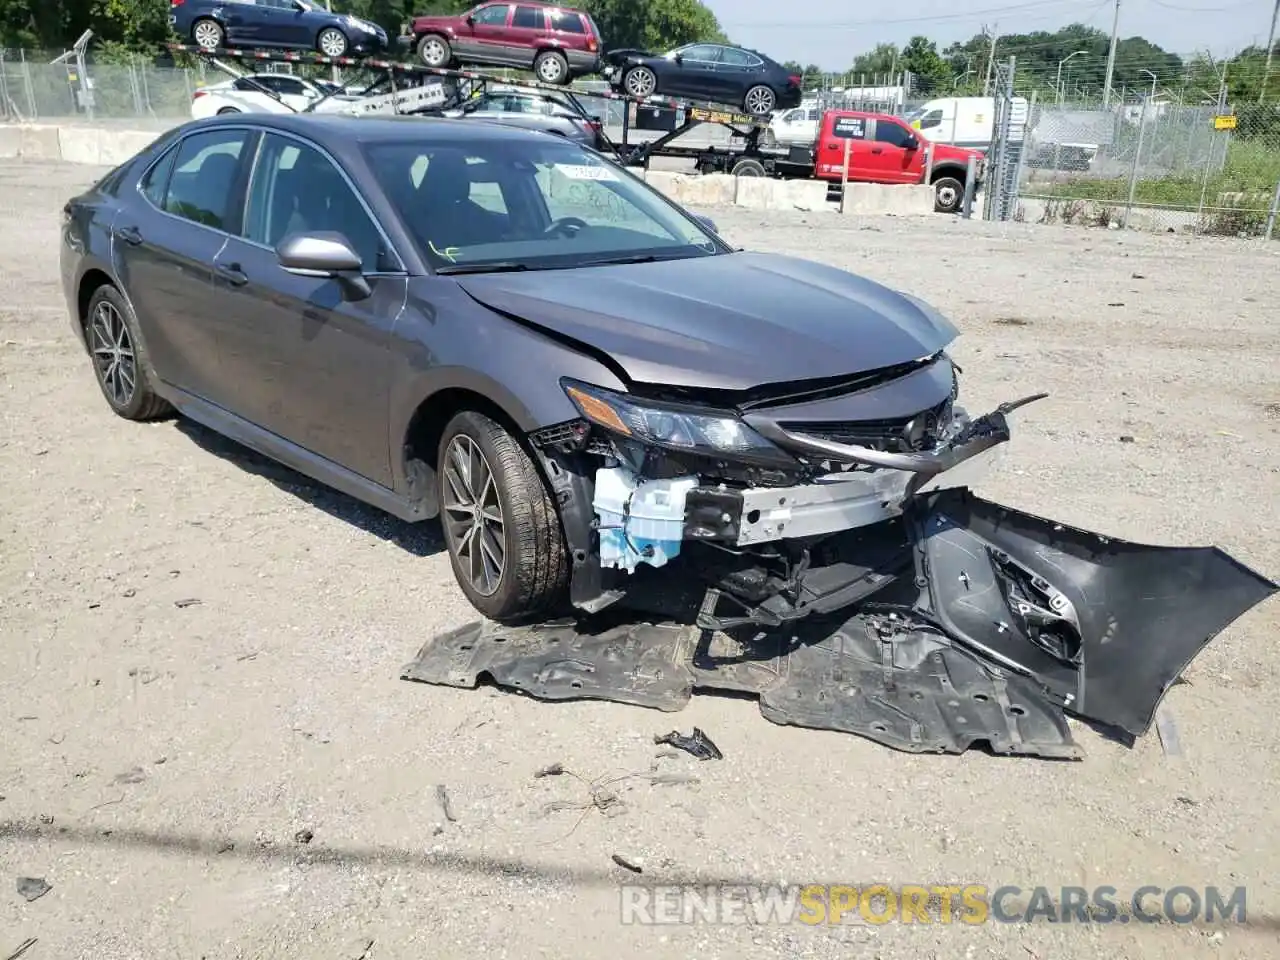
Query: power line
968, 14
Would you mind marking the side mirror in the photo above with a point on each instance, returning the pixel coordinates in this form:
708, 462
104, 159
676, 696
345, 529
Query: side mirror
678, 58
326, 255
471, 19
913, 143
707, 222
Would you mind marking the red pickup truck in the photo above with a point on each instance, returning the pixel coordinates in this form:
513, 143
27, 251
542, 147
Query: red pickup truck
882, 149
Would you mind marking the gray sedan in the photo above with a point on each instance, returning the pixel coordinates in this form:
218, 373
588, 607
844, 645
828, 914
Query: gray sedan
533, 111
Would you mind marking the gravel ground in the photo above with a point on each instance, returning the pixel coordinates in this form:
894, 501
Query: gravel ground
159, 760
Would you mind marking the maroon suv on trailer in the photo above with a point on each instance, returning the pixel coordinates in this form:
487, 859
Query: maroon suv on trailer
557, 43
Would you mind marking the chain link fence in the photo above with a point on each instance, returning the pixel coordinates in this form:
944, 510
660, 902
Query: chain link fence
1146, 164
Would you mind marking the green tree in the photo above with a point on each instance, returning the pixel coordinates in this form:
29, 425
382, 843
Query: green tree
653, 25
927, 66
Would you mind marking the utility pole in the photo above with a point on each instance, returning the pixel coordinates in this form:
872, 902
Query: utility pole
991, 59
1271, 43
1111, 57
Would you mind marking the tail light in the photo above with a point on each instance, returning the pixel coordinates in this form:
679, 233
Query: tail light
176, 3
199, 93
592, 46
795, 80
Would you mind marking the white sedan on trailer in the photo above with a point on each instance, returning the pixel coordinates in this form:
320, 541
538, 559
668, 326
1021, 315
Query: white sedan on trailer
242, 96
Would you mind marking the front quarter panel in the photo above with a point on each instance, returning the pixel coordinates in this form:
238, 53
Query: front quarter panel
445, 340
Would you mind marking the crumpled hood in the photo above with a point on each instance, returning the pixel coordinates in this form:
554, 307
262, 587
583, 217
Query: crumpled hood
729, 322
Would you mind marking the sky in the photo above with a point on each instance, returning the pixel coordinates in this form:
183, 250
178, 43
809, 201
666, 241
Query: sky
831, 33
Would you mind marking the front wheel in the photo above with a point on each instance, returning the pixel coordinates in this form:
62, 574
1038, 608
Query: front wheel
948, 194
332, 42
500, 526
433, 50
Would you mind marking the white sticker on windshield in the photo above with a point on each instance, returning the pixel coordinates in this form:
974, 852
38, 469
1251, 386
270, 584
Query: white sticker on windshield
585, 172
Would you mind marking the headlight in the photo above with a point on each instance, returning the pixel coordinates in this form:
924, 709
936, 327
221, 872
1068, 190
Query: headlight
667, 425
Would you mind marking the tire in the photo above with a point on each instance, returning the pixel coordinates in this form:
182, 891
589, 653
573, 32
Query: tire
948, 195
111, 333
550, 66
226, 110
534, 573
208, 34
332, 42
434, 51
639, 79
748, 168
760, 100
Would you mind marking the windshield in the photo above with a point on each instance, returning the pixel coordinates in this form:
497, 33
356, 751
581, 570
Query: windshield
530, 204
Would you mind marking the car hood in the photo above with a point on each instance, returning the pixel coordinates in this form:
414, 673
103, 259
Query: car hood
728, 322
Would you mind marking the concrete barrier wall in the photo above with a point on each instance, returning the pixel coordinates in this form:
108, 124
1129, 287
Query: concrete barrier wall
903, 200
722, 189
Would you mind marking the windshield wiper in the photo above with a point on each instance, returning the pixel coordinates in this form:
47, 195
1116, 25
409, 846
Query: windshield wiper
501, 266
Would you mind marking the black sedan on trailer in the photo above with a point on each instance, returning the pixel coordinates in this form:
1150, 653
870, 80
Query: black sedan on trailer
706, 71
505, 330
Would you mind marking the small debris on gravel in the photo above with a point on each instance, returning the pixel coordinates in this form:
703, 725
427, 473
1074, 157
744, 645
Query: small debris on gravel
699, 744
671, 779
358, 949
23, 947
226, 846
187, 602
305, 835
442, 798
634, 864
134, 775
555, 770
1126, 438
32, 888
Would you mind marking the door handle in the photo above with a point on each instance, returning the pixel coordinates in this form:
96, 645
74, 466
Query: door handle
877, 149
129, 235
232, 273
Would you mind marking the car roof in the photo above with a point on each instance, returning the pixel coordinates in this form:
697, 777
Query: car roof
338, 131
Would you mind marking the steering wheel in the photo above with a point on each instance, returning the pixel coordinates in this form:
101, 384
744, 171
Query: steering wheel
568, 225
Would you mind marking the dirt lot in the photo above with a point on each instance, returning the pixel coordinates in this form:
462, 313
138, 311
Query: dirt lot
157, 760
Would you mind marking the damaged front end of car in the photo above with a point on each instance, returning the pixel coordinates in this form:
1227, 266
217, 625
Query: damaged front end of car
816, 544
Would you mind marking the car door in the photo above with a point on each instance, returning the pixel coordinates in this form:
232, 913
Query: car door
894, 154
484, 36
736, 72
244, 20
839, 129
528, 25
695, 72
163, 244
313, 367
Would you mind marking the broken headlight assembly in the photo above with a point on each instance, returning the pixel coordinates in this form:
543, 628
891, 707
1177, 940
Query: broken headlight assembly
697, 430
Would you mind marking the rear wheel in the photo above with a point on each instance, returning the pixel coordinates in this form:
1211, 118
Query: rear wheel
500, 526
332, 42
119, 359
551, 67
948, 194
760, 101
639, 82
434, 51
748, 168
207, 34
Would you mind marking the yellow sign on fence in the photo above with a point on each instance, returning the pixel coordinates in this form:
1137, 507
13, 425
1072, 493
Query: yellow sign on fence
1224, 122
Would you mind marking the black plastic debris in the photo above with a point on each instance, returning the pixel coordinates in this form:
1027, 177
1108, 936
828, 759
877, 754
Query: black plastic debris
32, 888
699, 744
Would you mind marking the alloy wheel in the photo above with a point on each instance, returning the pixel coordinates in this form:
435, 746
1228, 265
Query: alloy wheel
640, 83
113, 354
472, 512
333, 43
208, 35
760, 101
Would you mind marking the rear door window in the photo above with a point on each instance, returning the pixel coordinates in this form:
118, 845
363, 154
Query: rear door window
205, 176
528, 17
849, 128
